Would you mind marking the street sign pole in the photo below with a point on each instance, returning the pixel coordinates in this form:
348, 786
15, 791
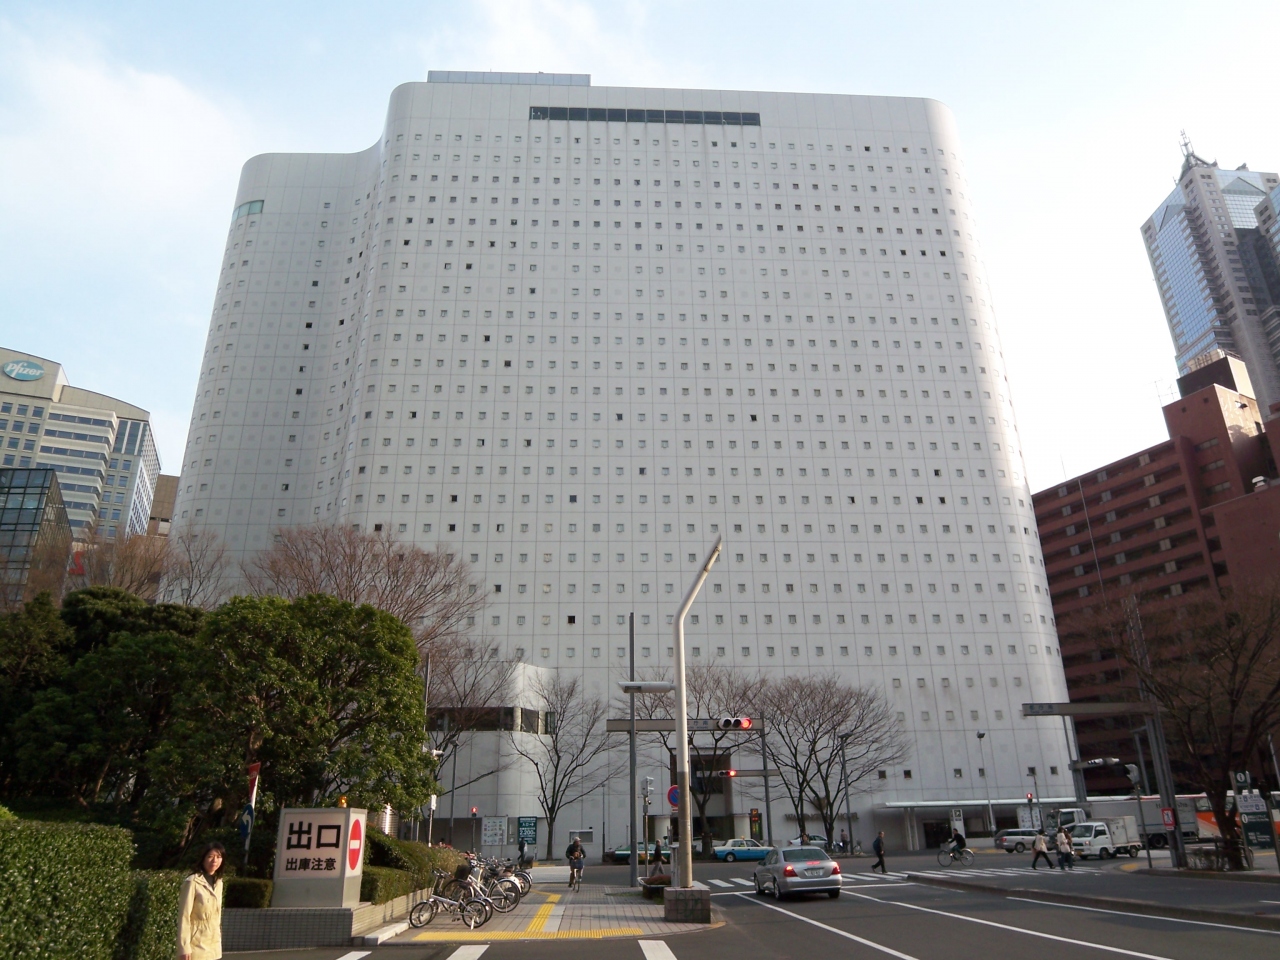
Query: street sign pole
685, 820
634, 858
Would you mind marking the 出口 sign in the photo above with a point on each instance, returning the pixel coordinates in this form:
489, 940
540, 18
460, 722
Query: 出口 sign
319, 857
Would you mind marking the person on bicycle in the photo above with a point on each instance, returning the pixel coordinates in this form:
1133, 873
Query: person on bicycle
958, 843
576, 857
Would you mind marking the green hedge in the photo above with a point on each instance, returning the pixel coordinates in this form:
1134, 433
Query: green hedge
65, 890
417, 858
6, 814
150, 932
380, 884
247, 893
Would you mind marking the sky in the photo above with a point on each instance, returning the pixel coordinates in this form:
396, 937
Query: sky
123, 127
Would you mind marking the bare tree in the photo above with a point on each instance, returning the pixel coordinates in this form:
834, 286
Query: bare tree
432, 592
713, 690
464, 688
1213, 666
570, 756
805, 717
132, 562
196, 568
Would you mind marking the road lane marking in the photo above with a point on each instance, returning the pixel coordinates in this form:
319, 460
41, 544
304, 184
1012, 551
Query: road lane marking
836, 930
1147, 916
722, 883
354, 955
656, 950
469, 951
743, 881
1029, 933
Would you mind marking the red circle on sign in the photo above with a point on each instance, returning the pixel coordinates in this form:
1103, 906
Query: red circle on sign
354, 844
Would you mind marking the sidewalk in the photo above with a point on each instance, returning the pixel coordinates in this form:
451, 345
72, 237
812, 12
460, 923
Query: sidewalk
553, 912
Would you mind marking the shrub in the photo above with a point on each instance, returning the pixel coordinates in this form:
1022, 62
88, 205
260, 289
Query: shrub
6, 814
65, 889
380, 884
246, 893
417, 858
151, 927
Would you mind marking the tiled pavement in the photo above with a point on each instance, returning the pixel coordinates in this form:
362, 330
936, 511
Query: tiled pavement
553, 912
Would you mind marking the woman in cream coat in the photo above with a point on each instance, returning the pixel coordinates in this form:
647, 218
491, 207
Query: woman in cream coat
200, 909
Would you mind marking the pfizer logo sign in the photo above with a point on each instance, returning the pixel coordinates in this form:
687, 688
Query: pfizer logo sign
23, 370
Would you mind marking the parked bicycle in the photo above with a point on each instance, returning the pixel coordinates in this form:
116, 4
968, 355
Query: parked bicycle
471, 910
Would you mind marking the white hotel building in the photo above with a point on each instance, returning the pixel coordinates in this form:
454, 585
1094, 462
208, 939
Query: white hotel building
573, 333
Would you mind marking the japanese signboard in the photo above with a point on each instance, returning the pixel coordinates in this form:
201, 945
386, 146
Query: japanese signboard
493, 831
527, 829
319, 857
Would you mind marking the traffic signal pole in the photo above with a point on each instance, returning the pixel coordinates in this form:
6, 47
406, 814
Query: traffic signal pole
684, 861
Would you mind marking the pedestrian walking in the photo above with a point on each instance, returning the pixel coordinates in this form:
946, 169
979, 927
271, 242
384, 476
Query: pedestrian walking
844, 842
1066, 856
523, 851
200, 908
655, 860
1041, 846
877, 847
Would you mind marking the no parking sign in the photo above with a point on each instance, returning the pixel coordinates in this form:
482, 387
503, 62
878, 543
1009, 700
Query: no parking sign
673, 795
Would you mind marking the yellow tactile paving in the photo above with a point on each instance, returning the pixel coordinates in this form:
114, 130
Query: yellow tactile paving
478, 936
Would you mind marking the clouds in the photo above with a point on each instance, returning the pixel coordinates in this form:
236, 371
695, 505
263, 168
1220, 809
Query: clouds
115, 188
560, 36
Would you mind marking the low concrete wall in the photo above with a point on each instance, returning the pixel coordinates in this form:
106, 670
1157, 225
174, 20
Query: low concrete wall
284, 928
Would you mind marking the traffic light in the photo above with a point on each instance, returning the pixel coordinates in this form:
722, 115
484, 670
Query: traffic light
725, 773
475, 811
734, 723
1030, 796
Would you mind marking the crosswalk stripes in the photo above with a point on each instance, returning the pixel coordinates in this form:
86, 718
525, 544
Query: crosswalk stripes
656, 950
721, 883
996, 872
744, 881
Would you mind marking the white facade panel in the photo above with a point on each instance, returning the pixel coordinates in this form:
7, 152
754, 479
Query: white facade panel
575, 351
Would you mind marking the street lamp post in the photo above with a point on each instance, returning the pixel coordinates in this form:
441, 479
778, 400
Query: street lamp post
991, 812
685, 859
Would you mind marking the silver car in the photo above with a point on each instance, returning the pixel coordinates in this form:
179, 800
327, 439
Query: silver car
795, 870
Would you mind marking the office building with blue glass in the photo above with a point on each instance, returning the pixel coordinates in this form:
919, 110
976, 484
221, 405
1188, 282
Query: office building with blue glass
1216, 271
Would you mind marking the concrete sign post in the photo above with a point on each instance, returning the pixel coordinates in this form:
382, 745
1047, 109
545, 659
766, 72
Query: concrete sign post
319, 857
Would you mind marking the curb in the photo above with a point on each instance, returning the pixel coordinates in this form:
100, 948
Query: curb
1248, 877
1144, 907
381, 935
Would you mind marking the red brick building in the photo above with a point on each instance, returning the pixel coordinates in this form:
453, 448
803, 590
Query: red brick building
1199, 510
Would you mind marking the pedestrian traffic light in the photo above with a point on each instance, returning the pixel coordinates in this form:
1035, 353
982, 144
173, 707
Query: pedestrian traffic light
1030, 797
1133, 773
475, 811
735, 723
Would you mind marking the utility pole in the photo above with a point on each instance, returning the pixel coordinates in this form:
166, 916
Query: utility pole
764, 765
844, 775
685, 821
1155, 736
635, 854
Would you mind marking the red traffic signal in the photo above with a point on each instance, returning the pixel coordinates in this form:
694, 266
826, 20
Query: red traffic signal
1030, 797
474, 811
726, 773
734, 723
